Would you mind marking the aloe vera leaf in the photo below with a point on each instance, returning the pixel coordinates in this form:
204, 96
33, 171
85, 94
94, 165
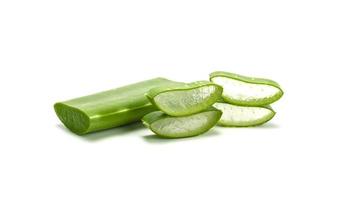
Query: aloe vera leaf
180, 127
247, 91
108, 109
185, 99
242, 116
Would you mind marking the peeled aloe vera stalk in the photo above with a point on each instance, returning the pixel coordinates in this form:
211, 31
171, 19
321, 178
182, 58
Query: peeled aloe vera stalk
108, 109
181, 127
241, 116
185, 99
248, 91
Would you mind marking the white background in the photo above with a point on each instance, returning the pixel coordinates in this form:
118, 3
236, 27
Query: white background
55, 50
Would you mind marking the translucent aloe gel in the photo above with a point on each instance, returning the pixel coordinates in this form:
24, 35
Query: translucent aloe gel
185, 99
180, 127
246, 91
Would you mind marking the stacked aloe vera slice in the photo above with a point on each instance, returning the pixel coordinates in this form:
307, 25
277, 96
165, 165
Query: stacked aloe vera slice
185, 110
173, 109
245, 100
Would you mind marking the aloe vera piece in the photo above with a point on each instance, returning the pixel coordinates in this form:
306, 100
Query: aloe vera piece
108, 109
242, 116
185, 99
247, 91
180, 127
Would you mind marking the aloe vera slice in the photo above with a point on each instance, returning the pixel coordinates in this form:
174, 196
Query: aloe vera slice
248, 91
108, 109
185, 99
241, 116
181, 127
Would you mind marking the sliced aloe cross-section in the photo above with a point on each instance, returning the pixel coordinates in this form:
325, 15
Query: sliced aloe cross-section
185, 99
240, 116
248, 91
181, 127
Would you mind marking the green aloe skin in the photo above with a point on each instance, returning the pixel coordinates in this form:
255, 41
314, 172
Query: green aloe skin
167, 126
185, 99
242, 116
247, 91
108, 109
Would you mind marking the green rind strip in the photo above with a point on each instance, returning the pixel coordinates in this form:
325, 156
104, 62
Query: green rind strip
251, 80
184, 126
245, 112
108, 109
187, 102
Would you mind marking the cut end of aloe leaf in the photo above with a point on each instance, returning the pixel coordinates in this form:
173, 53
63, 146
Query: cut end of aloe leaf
242, 116
181, 127
185, 99
249, 91
74, 119
108, 109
